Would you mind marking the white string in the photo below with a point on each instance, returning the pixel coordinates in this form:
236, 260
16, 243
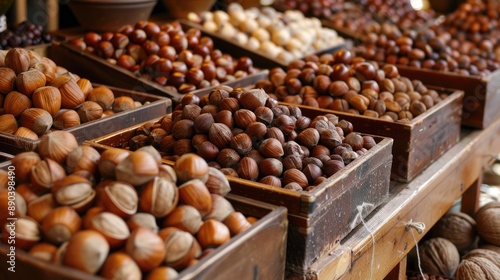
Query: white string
420, 228
359, 216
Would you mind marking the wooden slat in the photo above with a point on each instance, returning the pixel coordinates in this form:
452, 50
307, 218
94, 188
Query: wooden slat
437, 188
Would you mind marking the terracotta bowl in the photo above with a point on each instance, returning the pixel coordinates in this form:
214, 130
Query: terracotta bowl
180, 8
110, 15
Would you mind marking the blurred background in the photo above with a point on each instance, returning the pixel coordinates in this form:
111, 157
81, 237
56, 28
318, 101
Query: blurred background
55, 14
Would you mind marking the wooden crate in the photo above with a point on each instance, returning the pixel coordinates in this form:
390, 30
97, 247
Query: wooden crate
320, 218
257, 253
157, 106
482, 95
99, 70
259, 58
416, 144
5, 160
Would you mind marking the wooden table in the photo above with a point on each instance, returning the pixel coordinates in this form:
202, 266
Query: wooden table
425, 199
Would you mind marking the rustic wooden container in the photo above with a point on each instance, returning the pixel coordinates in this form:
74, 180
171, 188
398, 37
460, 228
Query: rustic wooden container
259, 58
416, 144
5, 160
482, 95
158, 106
257, 253
320, 218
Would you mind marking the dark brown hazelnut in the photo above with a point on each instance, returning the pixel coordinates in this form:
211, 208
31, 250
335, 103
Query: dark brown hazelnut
256, 131
312, 172
271, 181
241, 143
331, 167
228, 158
243, 117
270, 167
271, 148
207, 150
321, 83
248, 169
294, 175
274, 132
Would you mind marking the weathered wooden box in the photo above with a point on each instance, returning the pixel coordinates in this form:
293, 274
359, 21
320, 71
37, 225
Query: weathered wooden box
257, 253
156, 106
99, 70
482, 94
320, 218
416, 144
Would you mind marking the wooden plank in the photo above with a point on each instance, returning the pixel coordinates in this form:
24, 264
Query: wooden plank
470, 198
437, 188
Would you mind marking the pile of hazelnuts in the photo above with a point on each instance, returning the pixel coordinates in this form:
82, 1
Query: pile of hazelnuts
347, 83
244, 133
181, 60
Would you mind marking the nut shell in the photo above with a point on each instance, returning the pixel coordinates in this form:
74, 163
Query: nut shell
213, 233
36, 119
120, 265
191, 166
27, 82
71, 94
47, 98
159, 197
60, 224
56, 145
86, 251
196, 194
15, 103
146, 248
137, 168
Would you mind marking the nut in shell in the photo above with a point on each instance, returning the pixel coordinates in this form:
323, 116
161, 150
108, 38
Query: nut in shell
71, 94
137, 168
15, 103
36, 119
120, 265
27, 82
8, 123
17, 59
103, 96
44, 174
89, 111
112, 227
181, 248
217, 182
66, 118
27, 233
146, 248
196, 194
86, 251
159, 197
119, 198
191, 166
108, 161
213, 233
47, 98
74, 191
184, 217
56, 145
60, 224
7, 80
